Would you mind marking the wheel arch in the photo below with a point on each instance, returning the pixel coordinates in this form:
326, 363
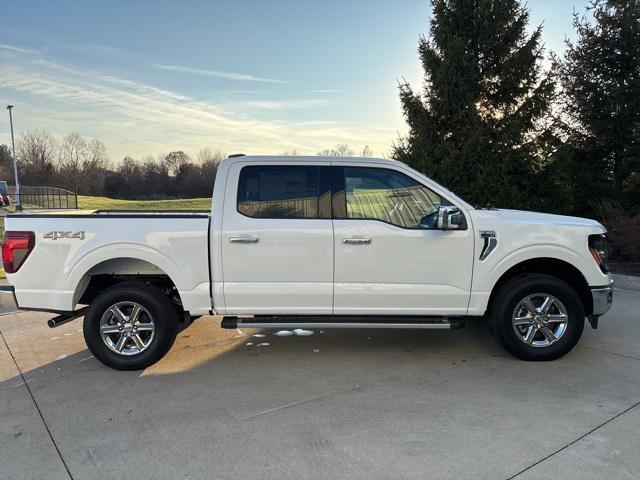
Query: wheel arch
555, 267
104, 273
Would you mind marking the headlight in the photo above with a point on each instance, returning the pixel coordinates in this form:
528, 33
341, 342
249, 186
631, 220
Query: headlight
599, 251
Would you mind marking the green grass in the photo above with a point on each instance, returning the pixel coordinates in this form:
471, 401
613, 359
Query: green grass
104, 203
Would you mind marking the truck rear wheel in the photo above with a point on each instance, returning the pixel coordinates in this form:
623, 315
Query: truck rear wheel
130, 326
537, 317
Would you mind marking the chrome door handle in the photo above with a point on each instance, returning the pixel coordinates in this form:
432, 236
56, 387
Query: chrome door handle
357, 241
243, 239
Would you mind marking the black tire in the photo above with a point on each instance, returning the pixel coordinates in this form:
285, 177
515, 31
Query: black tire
506, 300
163, 312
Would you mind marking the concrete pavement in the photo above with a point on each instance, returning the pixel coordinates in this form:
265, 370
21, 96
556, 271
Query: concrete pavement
336, 404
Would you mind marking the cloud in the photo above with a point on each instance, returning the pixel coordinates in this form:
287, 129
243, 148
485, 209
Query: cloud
96, 49
284, 104
13, 49
136, 118
217, 74
324, 91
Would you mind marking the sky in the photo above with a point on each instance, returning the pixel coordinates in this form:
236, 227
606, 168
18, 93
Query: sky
255, 77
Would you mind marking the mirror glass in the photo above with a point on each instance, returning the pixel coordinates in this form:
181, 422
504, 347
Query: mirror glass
430, 221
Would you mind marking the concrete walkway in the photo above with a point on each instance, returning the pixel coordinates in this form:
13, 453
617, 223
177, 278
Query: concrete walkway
333, 405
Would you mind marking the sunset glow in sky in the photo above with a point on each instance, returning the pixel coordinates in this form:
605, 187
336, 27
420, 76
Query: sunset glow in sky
242, 76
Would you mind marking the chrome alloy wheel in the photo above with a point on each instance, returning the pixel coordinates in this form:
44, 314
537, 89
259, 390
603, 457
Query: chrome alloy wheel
127, 328
539, 320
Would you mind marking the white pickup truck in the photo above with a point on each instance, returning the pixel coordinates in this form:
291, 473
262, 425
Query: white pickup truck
314, 242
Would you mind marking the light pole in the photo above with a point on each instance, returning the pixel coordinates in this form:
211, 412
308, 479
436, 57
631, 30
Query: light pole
15, 165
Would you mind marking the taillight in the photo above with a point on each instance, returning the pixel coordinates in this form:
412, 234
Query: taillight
598, 249
16, 247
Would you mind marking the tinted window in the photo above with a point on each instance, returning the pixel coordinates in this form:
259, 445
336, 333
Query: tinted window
389, 196
284, 191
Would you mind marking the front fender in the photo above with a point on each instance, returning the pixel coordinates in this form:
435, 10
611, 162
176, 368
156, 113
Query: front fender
487, 273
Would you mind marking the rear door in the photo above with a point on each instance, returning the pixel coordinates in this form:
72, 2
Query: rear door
389, 257
277, 239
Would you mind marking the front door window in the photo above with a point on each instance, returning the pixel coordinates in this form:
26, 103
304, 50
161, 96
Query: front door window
388, 196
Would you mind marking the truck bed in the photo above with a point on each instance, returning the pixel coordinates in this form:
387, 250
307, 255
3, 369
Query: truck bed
72, 245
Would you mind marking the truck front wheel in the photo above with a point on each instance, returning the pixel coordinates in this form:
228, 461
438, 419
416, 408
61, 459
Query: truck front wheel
130, 326
536, 317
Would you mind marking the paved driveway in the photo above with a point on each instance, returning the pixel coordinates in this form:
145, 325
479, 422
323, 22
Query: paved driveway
333, 405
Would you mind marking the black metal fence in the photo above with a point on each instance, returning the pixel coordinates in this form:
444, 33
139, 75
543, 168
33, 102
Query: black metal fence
43, 197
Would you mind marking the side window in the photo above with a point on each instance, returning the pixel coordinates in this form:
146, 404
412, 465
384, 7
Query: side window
282, 191
389, 196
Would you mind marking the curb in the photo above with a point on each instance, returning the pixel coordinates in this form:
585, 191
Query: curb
626, 282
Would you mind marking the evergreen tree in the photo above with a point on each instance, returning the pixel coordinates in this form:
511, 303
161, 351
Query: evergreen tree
480, 127
600, 77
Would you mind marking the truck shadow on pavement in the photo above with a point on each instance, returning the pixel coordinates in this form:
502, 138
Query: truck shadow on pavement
45, 354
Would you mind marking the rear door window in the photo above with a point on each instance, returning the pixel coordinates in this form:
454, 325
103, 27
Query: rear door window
283, 191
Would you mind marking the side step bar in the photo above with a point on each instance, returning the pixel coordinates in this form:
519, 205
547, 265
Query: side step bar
442, 323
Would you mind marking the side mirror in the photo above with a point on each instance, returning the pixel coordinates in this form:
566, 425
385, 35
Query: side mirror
451, 218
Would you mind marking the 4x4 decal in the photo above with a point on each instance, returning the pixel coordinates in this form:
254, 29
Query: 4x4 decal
58, 235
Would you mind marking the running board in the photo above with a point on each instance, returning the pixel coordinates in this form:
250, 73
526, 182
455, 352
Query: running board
442, 323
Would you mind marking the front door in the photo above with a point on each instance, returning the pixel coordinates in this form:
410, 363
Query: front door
389, 257
277, 240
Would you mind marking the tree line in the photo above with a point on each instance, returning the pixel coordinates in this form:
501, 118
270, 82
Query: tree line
81, 165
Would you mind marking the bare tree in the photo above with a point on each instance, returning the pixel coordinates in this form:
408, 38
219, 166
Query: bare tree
291, 153
156, 181
71, 154
81, 164
131, 174
177, 162
340, 150
36, 152
96, 153
5, 162
93, 166
208, 160
366, 152
208, 154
